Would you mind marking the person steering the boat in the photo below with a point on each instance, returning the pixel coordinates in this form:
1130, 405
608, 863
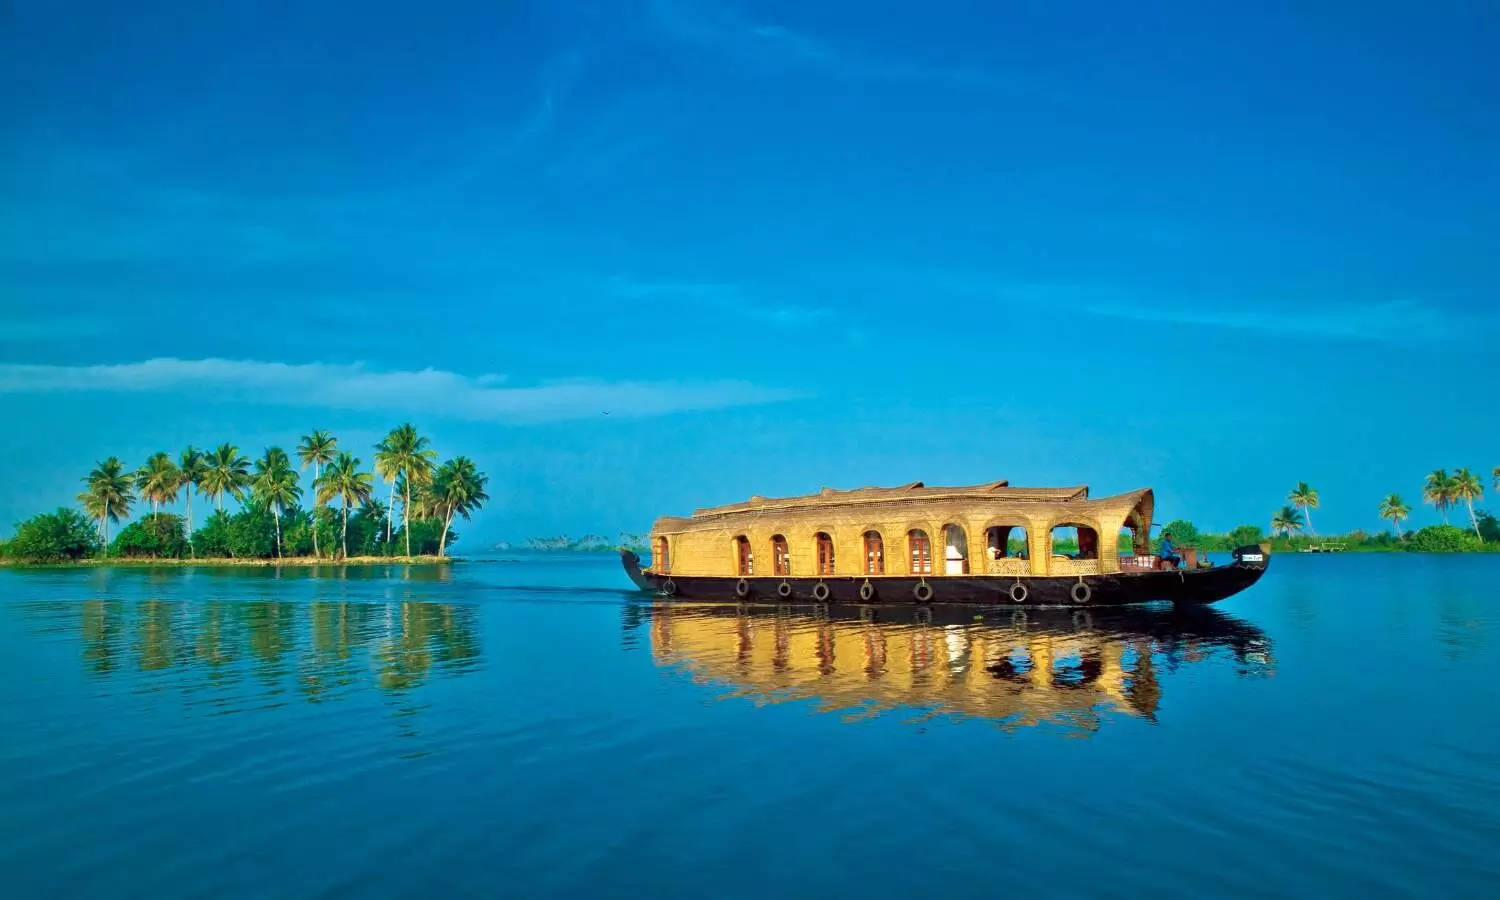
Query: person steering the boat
1168, 552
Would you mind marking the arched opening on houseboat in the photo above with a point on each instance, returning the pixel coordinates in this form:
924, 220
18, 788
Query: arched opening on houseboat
919, 552
874, 554
1075, 541
744, 558
661, 556
1005, 541
955, 550
781, 560
825, 553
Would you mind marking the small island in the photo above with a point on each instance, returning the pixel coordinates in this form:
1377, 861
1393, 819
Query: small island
348, 522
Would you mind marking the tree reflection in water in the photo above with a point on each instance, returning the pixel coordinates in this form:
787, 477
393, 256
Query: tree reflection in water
264, 648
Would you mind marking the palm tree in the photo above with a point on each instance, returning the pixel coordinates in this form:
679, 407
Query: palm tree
1393, 509
276, 486
158, 481
406, 455
316, 450
1496, 475
457, 489
1286, 521
1439, 492
1468, 488
191, 467
227, 472
344, 480
388, 470
108, 496
1306, 498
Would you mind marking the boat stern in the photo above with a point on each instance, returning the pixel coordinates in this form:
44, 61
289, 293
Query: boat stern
1252, 556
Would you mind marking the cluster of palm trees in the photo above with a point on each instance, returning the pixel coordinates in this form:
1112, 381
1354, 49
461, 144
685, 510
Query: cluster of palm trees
404, 459
1292, 517
1442, 491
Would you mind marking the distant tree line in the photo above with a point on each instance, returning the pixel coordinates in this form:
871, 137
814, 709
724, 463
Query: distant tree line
589, 543
346, 515
1442, 491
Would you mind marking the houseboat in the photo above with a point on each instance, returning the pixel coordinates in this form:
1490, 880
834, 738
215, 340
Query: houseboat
989, 544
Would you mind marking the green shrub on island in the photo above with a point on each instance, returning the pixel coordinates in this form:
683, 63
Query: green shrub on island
1444, 539
158, 535
54, 537
1489, 528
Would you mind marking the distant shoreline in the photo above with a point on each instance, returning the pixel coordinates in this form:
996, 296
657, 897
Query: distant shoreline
303, 562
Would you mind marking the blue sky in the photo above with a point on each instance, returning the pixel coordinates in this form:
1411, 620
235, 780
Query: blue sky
1210, 248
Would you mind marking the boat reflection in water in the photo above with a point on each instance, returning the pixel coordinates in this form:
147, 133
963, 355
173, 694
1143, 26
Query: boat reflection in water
1056, 667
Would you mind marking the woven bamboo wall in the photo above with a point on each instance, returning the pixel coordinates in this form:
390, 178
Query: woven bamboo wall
706, 544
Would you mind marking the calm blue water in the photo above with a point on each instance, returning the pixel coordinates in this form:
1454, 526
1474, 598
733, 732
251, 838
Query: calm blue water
524, 728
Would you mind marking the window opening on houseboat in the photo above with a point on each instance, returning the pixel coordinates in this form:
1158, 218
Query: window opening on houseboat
825, 554
921, 552
874, 554
744, 556
1075, 542
781, 560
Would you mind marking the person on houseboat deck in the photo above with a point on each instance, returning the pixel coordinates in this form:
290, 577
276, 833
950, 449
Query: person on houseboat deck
1088, 544
1168, 553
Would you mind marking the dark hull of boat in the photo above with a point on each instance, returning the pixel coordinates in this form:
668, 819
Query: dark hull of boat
1181, 586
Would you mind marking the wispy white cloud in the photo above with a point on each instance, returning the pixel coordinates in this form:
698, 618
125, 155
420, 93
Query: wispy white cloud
355, 387
716, 26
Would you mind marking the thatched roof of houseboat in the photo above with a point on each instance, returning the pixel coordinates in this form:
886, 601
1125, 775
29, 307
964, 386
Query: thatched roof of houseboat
998, 496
